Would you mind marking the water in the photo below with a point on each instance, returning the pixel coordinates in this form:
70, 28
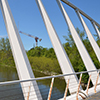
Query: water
14, 92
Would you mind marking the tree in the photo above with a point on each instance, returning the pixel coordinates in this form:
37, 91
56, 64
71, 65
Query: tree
69, 38
6, 58
72, 51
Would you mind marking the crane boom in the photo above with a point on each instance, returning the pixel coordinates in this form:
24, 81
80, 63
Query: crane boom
36, 38
27, 34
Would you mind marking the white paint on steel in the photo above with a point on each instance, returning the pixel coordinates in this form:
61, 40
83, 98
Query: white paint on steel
96, 29
22, 63
81, 48
59, 50
90, 37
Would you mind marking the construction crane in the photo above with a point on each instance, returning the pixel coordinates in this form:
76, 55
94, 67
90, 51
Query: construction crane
36, 38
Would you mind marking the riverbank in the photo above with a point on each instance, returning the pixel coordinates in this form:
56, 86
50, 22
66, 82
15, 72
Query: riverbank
46, 72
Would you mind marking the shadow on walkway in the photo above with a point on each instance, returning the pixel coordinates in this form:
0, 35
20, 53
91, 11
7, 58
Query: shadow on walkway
94, 97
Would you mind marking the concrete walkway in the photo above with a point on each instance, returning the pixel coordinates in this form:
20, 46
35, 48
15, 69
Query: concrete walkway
94, 97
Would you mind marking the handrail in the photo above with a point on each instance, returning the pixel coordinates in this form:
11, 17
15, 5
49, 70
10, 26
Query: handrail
53, 91
83, 13
48, 77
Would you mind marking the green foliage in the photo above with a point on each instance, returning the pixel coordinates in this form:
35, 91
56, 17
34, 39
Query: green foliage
74, 55
6, 58
44, 59
45, 64
41, 52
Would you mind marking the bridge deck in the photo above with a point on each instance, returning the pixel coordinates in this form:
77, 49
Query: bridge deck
94, 97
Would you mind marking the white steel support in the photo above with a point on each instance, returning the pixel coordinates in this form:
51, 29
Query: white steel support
96, 29
59, 50
22, 63
90, 37
81, 48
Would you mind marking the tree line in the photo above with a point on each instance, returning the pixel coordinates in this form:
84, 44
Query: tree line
44, 59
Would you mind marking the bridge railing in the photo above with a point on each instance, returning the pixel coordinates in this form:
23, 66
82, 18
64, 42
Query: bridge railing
50, 87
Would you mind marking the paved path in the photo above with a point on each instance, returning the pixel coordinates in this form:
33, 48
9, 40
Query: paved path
94, 97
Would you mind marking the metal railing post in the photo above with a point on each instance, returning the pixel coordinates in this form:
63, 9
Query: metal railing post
66, 90
50, 91
96, 82
29, 92
78, 87
88, 85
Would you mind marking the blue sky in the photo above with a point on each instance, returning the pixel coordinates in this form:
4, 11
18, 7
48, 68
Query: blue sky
29, 20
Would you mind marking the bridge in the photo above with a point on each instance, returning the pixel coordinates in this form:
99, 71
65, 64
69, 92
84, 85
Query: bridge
26, 76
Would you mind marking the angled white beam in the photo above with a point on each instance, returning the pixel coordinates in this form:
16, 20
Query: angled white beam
81, 48
22, 63
96, 29
90, 37
59, 50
